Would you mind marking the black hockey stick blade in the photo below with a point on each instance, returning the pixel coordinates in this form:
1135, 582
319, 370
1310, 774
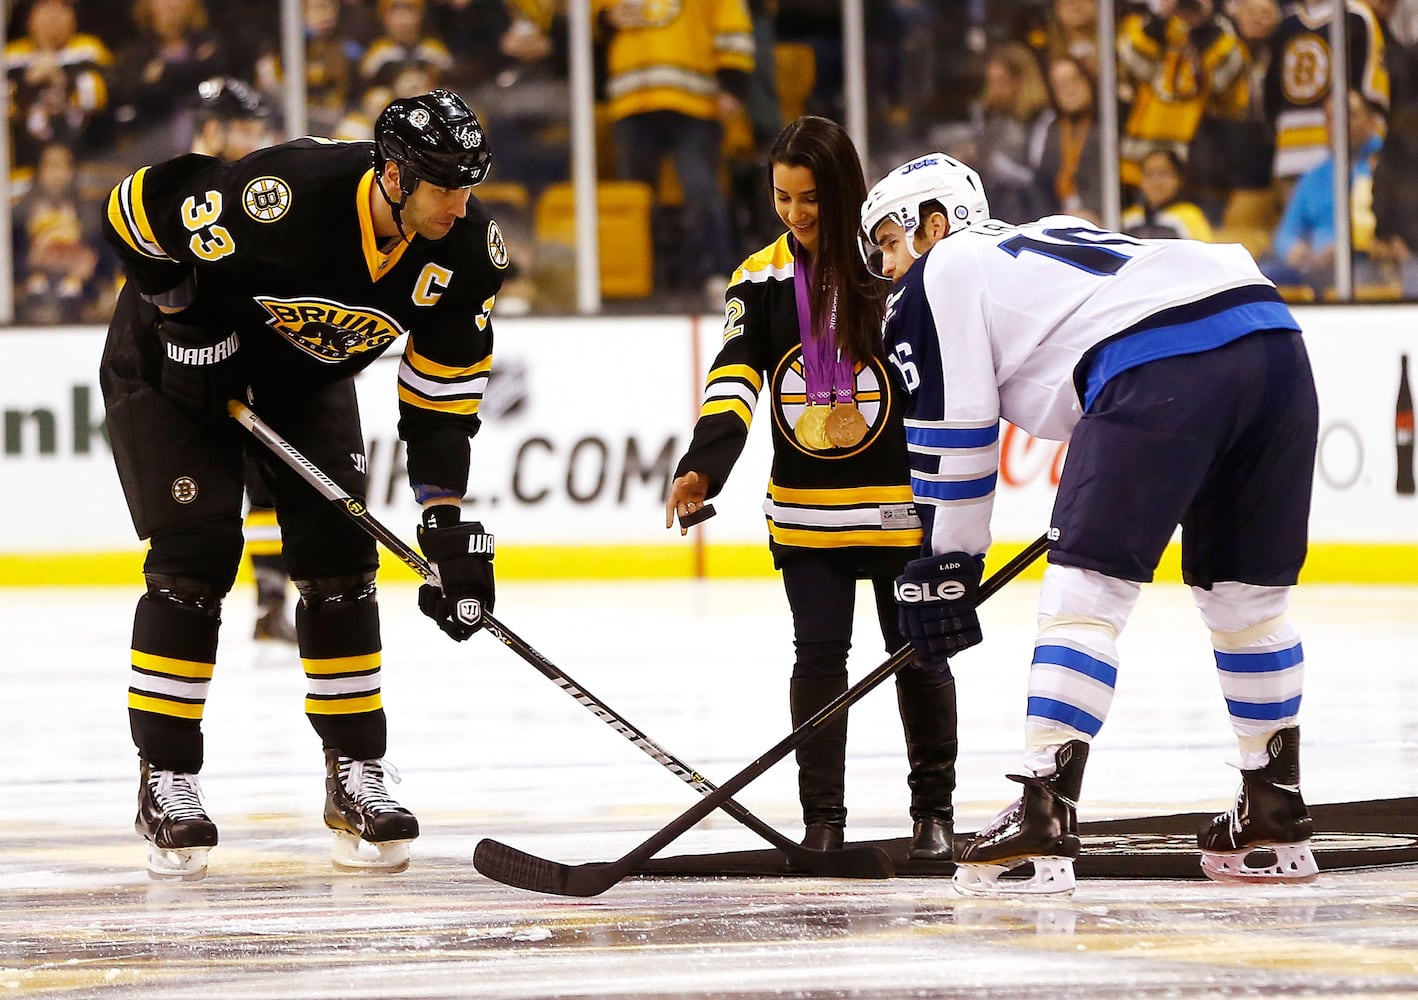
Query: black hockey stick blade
850, 862
508, 865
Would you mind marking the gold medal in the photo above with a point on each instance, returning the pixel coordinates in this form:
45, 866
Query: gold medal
845, 426
809, 428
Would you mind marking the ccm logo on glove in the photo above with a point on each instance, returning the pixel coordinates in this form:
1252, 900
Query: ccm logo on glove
919, 593
935, 602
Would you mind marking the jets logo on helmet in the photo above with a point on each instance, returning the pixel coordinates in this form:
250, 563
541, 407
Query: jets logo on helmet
899, 195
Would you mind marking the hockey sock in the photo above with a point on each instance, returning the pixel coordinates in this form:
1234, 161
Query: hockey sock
174, 653
1075, 665
1259, 660
337, 623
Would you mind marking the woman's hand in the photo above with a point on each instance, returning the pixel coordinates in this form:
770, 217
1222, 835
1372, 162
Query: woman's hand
686, 497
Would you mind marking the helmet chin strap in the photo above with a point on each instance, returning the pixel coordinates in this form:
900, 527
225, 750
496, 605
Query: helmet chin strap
395, 207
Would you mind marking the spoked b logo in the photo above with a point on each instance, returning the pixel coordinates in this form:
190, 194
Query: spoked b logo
469, 611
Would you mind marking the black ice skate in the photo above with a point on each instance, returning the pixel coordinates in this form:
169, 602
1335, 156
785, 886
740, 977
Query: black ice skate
1041, 829
372, 831
171, 819
273, 626
1265, 837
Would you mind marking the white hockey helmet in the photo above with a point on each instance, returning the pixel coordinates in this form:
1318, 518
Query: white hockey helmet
900, 194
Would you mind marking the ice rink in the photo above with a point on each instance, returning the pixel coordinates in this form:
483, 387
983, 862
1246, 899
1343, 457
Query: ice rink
488, 747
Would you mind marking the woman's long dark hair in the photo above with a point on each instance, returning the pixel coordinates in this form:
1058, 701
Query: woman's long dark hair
823, 147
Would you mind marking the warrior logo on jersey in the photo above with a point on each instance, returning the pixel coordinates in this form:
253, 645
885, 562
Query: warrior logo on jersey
266, 199
496, 247
1305, 69
329, 331
873, 399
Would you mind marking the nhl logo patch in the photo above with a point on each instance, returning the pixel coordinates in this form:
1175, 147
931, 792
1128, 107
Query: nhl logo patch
184, 489
496, 246
266, 199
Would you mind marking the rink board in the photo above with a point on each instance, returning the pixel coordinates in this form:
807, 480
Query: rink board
576, 490
1349, 836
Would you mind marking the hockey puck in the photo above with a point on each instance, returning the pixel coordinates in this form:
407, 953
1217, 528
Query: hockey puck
696, 516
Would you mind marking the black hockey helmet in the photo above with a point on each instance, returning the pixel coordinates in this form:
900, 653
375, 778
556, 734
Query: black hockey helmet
226, 98
433, 137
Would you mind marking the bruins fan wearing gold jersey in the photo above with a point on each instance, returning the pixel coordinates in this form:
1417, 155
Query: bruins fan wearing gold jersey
839, 502
276, 279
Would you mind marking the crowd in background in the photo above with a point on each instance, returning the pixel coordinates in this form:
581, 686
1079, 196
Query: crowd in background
1221, 108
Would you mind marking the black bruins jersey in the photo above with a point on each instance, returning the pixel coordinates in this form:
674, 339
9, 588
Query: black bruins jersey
1298, 81
283, 250
846, 497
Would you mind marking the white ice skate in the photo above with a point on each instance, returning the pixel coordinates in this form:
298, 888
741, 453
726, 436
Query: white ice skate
1053, 876
372, 832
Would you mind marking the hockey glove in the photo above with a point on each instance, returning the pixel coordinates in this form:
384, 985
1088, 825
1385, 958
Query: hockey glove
199, 372
935, 600
462, 555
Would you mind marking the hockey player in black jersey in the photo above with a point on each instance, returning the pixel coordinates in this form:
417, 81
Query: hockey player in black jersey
278, 278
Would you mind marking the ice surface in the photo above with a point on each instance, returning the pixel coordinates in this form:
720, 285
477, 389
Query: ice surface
489, 747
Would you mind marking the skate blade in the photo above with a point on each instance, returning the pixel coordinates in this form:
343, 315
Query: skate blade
350, 853
1052, 877
1291, 864
187, 864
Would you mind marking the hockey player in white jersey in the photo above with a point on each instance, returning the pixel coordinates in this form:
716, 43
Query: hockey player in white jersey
1181, 381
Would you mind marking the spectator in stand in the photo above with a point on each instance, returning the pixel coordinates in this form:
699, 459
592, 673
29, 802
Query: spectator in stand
1006, 120
56, 245
530, 93
673, 75
1302, 252
332, 57
472, 30
403, 40
56, 79
1396, 173
817, 24
1230, 154
159, 72
1297, 87
1071, 30
1180, 62
1070, 162
1163, 212
752, 217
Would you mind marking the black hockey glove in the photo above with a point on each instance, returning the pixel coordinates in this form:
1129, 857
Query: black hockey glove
935, 600
199, 372
462, 555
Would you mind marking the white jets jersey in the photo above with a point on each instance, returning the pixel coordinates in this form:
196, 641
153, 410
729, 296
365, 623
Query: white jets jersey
1026, 323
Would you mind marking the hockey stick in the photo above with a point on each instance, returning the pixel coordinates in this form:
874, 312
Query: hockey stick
849, 862
516, 868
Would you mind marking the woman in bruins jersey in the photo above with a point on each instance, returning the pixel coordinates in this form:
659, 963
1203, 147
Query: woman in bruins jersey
804, 316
